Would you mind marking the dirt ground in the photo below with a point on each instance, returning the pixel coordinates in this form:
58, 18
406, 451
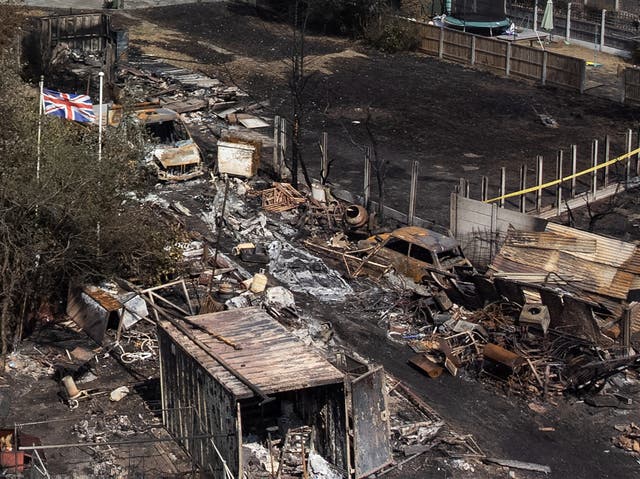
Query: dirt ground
453, 120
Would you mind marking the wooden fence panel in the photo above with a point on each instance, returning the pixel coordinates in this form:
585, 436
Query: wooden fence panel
429, 39
631, 85
526, 62
503, 58
84, 31
457, 46
565, 71
491, 54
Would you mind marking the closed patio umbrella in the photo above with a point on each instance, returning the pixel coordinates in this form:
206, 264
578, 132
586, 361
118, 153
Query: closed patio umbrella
547, 17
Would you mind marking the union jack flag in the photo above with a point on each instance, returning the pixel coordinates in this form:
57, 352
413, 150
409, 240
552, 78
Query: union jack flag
66, 105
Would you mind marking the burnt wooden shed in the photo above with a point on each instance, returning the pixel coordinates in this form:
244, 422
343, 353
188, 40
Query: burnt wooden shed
232, 373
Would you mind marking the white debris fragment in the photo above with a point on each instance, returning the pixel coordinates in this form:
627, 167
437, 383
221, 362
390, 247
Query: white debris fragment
261, 453
321, 469
119, 393
278, 297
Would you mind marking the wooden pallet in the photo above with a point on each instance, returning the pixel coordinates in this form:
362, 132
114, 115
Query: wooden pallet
282, 197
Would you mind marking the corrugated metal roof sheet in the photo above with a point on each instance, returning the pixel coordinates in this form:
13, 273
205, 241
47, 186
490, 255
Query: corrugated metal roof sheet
609, 251
271, 357
610, 269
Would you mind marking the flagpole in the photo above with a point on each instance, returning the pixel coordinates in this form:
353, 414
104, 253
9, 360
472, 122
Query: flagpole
39, 127
101, 75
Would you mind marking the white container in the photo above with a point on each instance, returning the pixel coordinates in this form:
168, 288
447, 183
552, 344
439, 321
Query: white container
238, 159
318, 192
259, 283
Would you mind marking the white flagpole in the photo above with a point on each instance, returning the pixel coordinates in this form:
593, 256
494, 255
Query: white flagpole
40, 103
101, 74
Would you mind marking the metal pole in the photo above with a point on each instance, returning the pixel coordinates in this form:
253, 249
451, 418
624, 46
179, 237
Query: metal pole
503, 183
539, 172
638, 155
559, 177
574, 164
484, 191
118, 443
325, 157
276, 147
594, 163
523, 185
283, 146
40, 107
535, 16
101, 75
607, 153
627, 163
412, 193
367, 178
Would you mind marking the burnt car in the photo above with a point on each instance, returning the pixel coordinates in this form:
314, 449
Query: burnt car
421, 254
175, 155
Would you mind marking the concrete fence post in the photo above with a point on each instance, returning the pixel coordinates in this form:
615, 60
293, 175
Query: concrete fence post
535, 16
507, 66
366, 186
441, 43
276, 146
568, 32
544, 67
413, 193
484, 192
324, 168
473, 50
602, 28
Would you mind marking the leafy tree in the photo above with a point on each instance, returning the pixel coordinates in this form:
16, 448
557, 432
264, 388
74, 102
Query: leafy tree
78, 219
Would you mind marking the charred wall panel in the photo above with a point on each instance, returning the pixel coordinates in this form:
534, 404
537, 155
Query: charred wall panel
197, 405
372, 449
324, 408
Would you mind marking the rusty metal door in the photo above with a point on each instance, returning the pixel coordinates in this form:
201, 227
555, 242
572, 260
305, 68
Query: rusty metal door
371, 447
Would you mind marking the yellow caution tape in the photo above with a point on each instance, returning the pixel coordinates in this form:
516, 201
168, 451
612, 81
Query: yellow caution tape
566, 178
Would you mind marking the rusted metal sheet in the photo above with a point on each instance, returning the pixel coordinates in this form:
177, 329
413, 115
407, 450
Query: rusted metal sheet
611, 269
551, 240
503, 356
372, 450
428, 239
270, 356
425, 364
182, 155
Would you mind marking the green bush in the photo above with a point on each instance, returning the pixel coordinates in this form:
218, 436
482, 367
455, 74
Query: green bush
391, 34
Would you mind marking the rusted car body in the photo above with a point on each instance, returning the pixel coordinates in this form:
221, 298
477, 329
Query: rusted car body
420, 254
176, 156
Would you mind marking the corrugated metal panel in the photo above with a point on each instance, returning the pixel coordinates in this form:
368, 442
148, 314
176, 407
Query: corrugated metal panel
611, 269
609, 251
580, 274
552, 240
271, 357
